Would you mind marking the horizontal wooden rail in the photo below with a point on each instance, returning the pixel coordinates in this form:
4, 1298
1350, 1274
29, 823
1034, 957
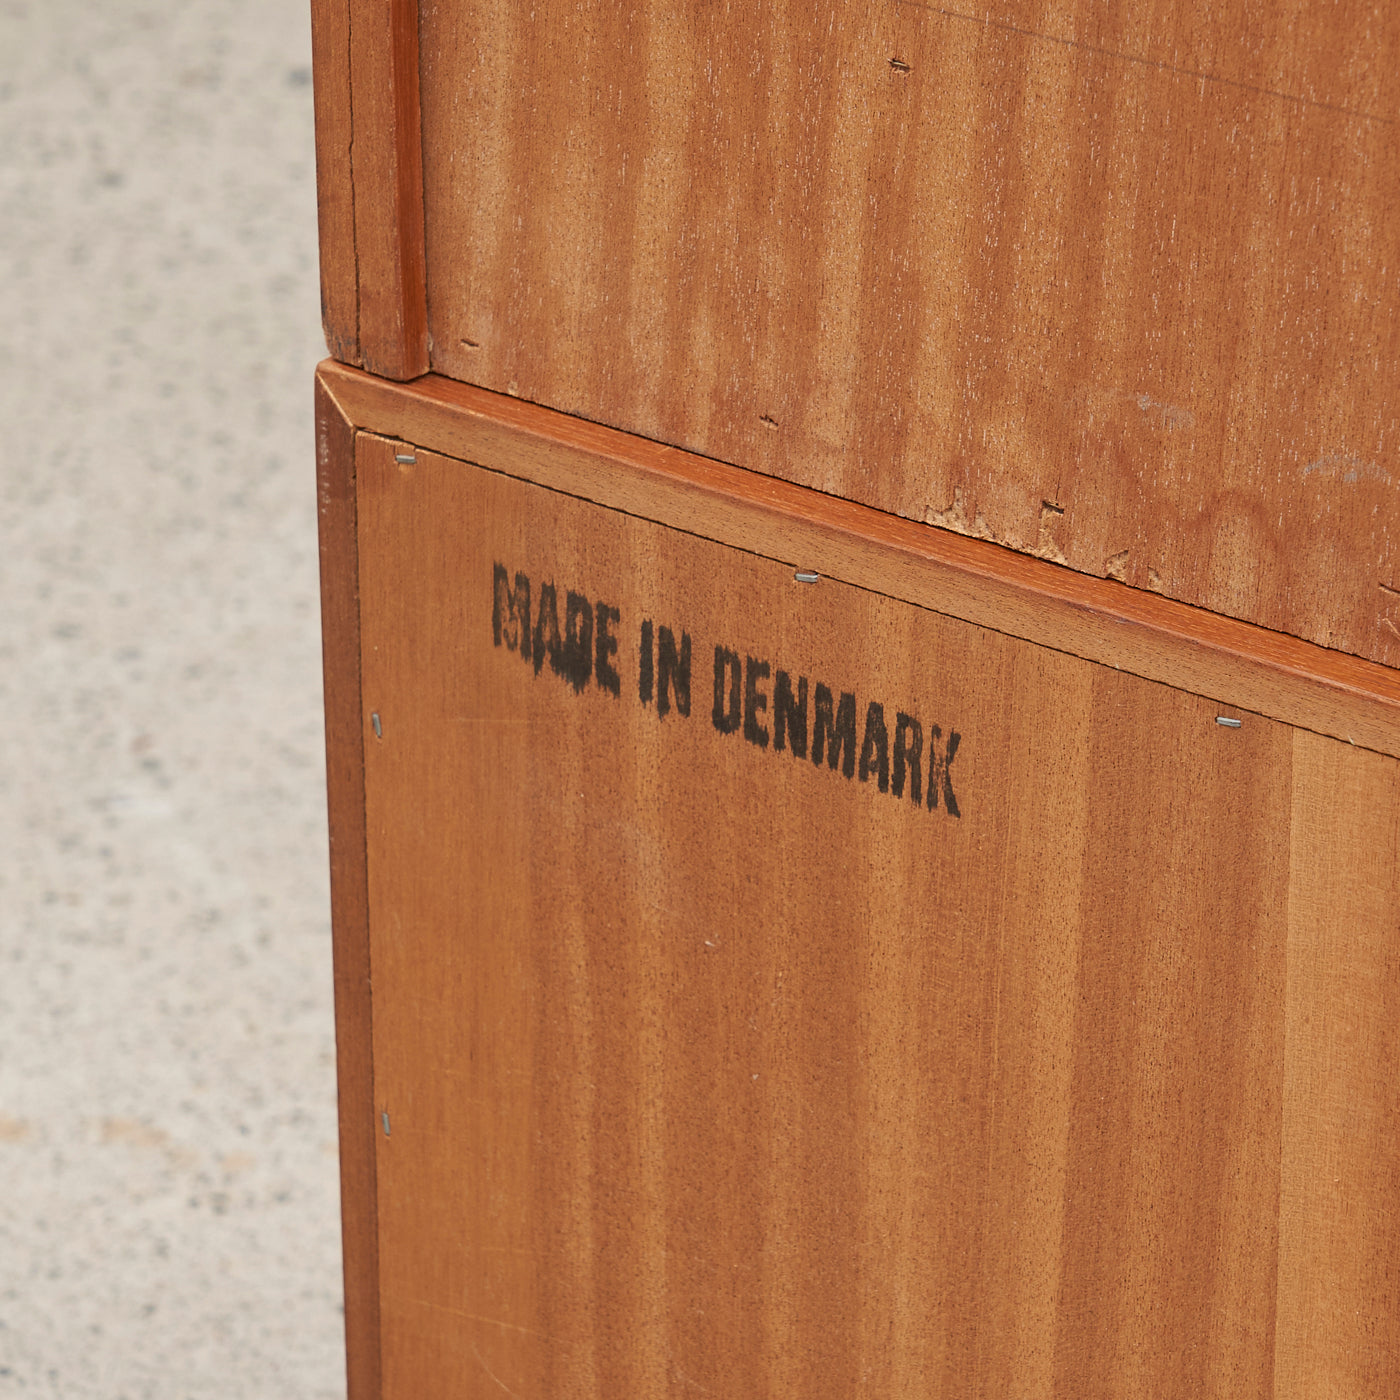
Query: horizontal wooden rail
1238, 665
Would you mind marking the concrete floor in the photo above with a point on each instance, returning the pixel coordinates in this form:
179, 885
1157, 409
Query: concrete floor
168, 1200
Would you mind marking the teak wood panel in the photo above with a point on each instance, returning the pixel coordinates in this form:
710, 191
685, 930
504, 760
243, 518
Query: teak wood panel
706, 1068
1112, 285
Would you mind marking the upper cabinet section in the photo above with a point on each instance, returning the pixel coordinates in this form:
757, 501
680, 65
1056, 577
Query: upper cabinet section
1114, 284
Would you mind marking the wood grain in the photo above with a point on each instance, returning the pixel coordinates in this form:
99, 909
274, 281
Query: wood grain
713, 1070
345, 782
1111, 285
1339, 1282
1101, 620
335, 184
370, 184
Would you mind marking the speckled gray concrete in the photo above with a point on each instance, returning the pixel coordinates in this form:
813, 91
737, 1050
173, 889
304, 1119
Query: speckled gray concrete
168, 1208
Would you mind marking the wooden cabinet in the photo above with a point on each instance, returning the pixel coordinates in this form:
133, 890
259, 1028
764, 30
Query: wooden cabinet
764, 967
1110, 285
862, 743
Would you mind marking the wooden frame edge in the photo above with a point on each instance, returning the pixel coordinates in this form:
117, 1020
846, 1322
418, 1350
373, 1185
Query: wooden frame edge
369, 184
345, 789
1235, 663
335, 188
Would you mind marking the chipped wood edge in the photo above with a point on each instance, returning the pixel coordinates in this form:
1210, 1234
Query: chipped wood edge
1239, 665
345, 789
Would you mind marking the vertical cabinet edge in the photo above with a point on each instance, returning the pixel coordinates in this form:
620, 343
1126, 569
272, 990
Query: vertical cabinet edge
345, 784
369, 163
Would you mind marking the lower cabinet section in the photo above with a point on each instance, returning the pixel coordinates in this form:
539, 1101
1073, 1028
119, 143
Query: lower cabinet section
755, 983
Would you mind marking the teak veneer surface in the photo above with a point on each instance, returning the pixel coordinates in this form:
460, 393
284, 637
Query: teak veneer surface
1113, 285
707, 1069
